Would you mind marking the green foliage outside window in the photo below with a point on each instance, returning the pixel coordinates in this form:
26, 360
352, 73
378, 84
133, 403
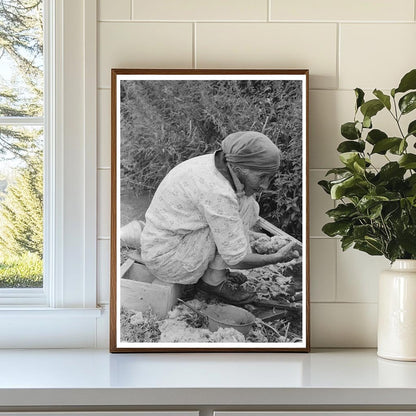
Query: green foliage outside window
21, 147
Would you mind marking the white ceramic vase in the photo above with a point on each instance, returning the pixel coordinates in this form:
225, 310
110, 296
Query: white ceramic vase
397, 312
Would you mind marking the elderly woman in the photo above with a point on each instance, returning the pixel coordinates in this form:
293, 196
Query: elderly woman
197, 225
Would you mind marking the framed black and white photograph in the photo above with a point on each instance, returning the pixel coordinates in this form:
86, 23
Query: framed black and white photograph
209, 211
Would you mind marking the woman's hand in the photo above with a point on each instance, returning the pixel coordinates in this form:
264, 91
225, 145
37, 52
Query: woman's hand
252, 260
288, 252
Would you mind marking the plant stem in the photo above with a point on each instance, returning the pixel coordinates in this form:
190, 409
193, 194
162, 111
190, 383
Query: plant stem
396, 119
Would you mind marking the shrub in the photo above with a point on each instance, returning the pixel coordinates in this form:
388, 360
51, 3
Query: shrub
164, 123
21, 212
21, 271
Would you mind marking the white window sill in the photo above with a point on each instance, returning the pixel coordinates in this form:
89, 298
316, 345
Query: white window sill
36, 312
40, 327
330, 379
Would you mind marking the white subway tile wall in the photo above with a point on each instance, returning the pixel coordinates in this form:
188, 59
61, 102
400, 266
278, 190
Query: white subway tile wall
322, 269
103, 269
270, 45
200, 10
142, 45
104, 128
355, 10
114, 10
357, 275
375, 55
328, 109
344, 44
319, 203
104, 202
338, 325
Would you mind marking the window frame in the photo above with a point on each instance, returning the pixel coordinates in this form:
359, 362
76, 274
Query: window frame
38, 296
70, 208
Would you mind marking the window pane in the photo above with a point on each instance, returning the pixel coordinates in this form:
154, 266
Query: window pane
21, 58
21, 207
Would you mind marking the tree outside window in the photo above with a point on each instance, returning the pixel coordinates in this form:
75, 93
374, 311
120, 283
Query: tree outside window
21, 143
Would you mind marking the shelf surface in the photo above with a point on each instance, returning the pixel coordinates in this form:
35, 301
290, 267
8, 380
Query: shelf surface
96, 377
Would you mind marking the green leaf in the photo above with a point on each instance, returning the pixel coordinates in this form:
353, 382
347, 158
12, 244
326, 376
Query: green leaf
391, 170
336, 228
393, 250
412, 201
408, 161
369, 201
359, 232
411, 179
375, 136
408, 102
342, 211
371, 108
349, 146
391, 212
375, 212
359, 165
398, 149
385, 99
349, 131
411, 130
383, 145
359, 95
346, 242
338, 171
408, 82
325, 186
374, 242
411, 183
338, 189
407, 240
348, 158
367, 122
368, 248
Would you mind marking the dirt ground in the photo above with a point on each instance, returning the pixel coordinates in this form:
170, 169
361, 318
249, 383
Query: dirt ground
184, 326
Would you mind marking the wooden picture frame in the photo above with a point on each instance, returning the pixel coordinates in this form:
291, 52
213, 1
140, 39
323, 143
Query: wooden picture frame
161, 118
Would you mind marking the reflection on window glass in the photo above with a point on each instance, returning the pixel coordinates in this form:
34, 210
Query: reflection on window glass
21, 143
21, 58
21, 213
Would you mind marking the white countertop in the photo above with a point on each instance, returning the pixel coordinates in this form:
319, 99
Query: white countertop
96, 377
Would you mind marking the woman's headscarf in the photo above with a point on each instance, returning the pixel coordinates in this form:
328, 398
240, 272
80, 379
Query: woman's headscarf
251, 150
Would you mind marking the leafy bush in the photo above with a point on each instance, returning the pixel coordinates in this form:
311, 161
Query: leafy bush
21, 212
21, 271
377, 205
164, 123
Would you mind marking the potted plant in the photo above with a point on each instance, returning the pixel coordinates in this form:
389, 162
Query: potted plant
376, 209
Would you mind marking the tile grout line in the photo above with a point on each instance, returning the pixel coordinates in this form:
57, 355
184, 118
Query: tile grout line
336, 271
194, 63
344, 303
308, 22
338, 64
131, 9
269, 11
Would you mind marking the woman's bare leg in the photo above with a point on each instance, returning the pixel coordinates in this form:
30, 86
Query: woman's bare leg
214, 277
